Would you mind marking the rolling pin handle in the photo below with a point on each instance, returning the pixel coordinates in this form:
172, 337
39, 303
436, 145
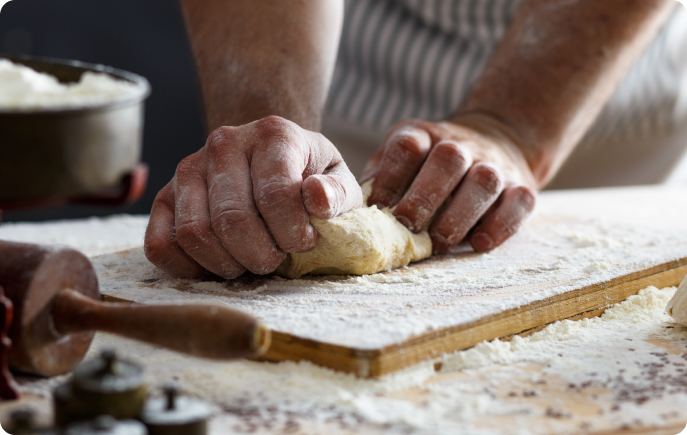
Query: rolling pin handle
208, 331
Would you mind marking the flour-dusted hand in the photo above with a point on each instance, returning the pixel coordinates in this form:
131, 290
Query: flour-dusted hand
541, 90
243, 201
422, 164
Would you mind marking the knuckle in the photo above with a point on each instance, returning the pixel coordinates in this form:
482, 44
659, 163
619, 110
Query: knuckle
409, 142
225, 216
164, 196
409, 146
274, 126
193, 234
271, 195
451, 153
160, 197
186, 167
220, 140
487, 177
155, 248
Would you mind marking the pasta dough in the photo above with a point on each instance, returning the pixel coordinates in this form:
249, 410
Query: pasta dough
360, 242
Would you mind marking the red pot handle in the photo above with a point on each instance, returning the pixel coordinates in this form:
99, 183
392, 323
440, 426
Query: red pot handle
132, 186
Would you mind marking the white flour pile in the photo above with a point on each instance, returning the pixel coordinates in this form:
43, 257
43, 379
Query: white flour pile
22, 89
474, 393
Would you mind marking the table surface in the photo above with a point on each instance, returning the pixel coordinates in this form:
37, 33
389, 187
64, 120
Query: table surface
580, 252
621, 373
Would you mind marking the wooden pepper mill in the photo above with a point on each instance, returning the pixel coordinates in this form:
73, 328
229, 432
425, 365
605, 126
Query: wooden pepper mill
57, 308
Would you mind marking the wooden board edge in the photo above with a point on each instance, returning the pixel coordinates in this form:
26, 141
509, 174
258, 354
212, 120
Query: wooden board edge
286, 347
574, 297
523, 319
587, 302
528, 332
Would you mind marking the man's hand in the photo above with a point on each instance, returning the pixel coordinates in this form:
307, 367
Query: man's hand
539, 93
243, 201
485, 176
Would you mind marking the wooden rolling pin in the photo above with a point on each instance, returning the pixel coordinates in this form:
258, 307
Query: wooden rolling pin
57, 308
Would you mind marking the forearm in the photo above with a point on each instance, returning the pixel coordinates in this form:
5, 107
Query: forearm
558, 64
257, 58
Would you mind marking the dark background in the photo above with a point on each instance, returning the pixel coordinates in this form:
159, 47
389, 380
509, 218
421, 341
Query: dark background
143, 36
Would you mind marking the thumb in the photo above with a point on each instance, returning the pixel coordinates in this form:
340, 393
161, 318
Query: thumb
333, 193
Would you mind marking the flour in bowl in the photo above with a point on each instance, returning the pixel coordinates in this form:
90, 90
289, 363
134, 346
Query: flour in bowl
23, 89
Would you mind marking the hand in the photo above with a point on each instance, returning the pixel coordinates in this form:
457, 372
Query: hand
243, 201
472, 160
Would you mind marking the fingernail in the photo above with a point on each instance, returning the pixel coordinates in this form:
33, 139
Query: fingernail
439, 244
405, 221
482, 242
325, 206
328, 193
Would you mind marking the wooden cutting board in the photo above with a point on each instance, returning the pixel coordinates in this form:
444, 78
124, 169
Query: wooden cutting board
581, 252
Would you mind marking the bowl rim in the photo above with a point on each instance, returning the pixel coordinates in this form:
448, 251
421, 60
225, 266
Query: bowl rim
143, 91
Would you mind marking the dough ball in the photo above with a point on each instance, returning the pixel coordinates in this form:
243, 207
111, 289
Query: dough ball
677, 306
360, 242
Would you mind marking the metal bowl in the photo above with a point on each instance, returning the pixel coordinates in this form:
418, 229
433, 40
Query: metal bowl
54, 155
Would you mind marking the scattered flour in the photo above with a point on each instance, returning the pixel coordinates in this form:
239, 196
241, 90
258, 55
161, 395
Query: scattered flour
628, 365
634, 316
575, 239
91, 236
543, 260
613, 353
22, 88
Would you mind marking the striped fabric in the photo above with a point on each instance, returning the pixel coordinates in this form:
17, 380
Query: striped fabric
647, 101
418, 58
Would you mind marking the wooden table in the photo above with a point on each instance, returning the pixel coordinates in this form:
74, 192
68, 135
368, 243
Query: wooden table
518, 397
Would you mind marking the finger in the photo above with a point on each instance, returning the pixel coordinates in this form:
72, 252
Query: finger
277, 170
445, 166
333, 193
516, 204
233, 214
479, 189
329, 188
160, 244
404, 152
193, 225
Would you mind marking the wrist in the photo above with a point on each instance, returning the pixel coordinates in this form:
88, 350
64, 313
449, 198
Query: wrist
499, 133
